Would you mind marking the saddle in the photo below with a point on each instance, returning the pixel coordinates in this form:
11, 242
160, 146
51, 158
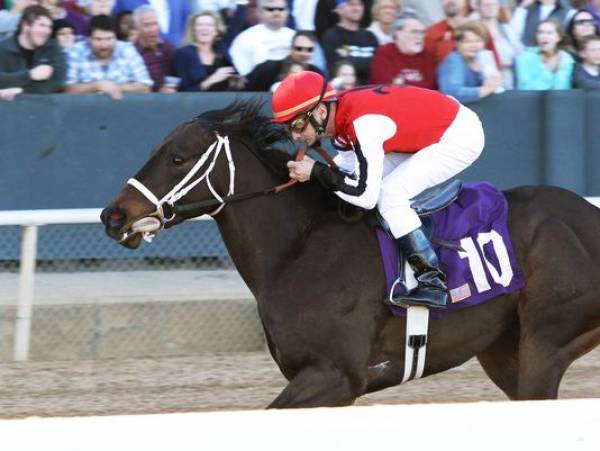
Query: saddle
467, 226
427, 203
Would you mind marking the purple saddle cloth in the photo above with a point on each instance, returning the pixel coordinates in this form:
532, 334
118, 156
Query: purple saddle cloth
482, 264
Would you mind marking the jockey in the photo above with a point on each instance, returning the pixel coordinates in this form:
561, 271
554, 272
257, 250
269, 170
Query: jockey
393, 142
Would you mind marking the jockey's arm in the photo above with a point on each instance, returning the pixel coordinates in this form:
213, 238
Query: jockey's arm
372, 130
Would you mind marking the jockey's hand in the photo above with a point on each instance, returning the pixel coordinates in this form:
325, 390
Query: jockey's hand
301, 170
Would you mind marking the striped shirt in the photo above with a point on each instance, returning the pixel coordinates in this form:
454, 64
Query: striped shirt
125, 66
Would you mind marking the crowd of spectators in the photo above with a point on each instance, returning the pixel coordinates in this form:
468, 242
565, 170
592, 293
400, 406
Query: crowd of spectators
469, 49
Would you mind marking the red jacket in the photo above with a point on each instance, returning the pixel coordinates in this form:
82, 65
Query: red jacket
421, 115
416, 70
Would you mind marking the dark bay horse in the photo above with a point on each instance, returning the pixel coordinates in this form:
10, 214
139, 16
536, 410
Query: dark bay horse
319, 281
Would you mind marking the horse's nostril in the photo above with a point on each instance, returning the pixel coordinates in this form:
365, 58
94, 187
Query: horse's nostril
113, 217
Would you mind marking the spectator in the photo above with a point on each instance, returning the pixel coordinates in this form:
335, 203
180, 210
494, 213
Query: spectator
502, 40
8, 94
289, 67
344, 75
439, 38
384, 13
266, 74
464, 74
545, 66
157, 54
9, 19
105, 65
58, 11
203, 64
126, 30
529, 13
64, 33
172, 16
581, 25
347, 40
327, 16
405, 61
587, 73
268, 40
30, 59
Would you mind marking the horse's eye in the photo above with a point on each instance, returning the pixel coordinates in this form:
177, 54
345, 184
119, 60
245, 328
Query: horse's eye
177, 159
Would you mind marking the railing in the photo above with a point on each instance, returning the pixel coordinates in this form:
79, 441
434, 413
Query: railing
30, 220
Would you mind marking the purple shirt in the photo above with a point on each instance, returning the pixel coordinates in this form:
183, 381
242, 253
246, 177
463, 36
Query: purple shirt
158, 61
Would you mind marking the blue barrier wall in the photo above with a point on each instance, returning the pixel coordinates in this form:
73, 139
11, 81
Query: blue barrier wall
77, 151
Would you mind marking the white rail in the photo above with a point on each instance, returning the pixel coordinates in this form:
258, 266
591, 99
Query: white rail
30, 220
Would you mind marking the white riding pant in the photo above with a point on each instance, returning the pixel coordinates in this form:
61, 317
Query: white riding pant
405, 175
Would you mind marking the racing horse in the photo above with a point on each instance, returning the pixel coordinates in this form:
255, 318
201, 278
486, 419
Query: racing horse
319, 282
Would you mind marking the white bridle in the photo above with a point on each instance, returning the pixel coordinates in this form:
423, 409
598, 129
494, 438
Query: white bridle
151, 224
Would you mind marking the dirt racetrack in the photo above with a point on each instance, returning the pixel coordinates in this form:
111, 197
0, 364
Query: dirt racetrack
221, 382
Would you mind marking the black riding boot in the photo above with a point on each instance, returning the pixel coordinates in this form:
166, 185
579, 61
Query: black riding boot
431, 291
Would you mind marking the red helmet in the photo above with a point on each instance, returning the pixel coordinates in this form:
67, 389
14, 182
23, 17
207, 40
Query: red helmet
298, 93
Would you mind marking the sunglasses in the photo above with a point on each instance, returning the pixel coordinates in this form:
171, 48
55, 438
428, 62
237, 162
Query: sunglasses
299, 48
584, 22
299, 123
274, 8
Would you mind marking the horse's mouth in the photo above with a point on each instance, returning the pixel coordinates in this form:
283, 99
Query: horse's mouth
144, 228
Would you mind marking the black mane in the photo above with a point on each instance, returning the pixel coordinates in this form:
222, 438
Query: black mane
245, 117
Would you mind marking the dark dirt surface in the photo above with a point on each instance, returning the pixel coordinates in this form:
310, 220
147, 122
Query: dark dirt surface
221, 382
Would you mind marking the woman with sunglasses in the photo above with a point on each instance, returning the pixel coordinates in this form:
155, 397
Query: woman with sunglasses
393, 143
581, 25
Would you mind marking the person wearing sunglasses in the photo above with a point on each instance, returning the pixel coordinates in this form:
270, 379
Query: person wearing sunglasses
393, 143
270, 39
581, 26
264, 75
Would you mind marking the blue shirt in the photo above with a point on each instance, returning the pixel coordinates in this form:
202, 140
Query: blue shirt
125, 66
532, 74
457, 79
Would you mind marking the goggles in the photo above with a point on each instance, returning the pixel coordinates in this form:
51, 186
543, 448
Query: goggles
300, 122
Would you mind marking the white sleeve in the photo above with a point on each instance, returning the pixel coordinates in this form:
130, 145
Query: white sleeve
241, 53
517, 22
346, 161
372, 130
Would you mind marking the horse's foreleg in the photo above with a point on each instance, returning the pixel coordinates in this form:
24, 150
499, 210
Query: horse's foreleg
500, 361
541, 368
318, 385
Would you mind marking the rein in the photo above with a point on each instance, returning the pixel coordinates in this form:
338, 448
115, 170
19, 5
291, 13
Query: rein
264, 192
167, 208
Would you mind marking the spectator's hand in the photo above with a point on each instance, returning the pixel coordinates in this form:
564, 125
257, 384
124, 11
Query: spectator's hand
168, 89
10, 93
491, 84
41, 72
110, 88
221, 74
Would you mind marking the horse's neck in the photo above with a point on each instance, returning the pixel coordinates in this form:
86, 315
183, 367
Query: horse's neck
259, 232
262, 234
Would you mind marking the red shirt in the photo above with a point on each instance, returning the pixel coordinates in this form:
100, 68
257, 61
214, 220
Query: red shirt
439, 40
421, 115
416, 70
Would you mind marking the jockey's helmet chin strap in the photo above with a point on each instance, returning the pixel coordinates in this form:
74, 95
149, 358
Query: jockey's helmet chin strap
320, 127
